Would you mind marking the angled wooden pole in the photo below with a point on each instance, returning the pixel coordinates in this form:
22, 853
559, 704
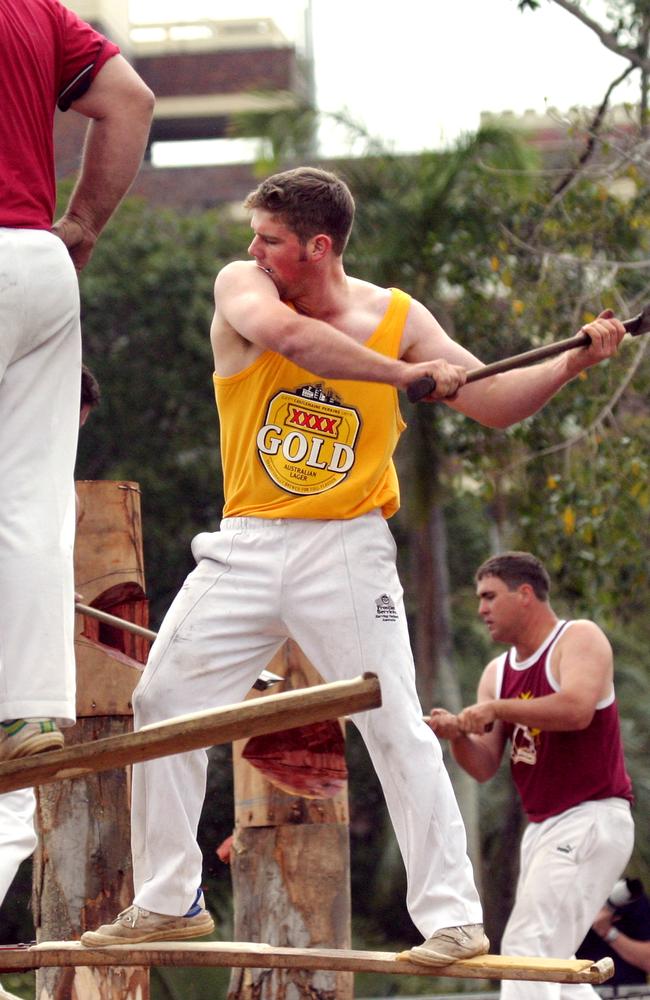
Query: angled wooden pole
264, 681
108, 619
242, 954
191, 732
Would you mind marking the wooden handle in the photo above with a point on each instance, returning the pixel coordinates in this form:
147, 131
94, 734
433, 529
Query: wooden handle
423, 387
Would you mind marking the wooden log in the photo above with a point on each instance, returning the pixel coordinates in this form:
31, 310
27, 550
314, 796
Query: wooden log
82, 873
238, 954
290, 866
109, 572
191, 732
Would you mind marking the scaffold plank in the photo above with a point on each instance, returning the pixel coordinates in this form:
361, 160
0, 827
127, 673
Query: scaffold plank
263, 956
200, 729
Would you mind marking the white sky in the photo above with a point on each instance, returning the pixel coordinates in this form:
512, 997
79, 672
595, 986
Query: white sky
419, 72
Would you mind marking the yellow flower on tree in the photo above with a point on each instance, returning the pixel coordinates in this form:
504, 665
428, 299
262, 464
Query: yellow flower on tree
569, 520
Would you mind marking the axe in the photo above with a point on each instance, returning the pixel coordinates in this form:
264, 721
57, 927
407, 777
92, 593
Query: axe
423, 386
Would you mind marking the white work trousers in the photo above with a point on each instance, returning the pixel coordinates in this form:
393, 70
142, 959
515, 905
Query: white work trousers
333, 587
569, 864
17, 836
40, 378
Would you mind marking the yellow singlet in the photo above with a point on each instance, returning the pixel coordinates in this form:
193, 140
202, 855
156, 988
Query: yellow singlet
295, 445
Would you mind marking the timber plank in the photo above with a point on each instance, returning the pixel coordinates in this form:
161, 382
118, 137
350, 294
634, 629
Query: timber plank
192, 732
245, 954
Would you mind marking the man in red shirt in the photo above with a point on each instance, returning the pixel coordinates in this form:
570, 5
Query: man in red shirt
551, 697
49, 57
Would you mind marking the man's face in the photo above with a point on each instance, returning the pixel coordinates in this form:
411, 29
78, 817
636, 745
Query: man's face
501, 609
278, 251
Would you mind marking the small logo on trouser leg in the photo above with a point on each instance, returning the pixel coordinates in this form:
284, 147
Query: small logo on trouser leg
385, 608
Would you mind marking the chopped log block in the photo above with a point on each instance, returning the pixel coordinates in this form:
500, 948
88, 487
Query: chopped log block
290, 861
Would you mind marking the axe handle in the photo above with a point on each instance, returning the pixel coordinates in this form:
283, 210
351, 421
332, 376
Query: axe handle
424, 386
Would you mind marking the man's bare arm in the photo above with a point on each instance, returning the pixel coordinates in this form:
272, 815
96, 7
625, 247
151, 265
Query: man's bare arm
121, 107
505, 399
247, 300
584, 672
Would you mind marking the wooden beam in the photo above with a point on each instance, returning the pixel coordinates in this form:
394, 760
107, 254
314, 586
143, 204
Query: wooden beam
191, 732
264, 956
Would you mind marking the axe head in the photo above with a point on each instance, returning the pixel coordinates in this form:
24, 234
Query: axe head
638, 324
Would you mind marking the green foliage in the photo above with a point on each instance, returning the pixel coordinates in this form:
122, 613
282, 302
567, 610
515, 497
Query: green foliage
147, 307
282, 135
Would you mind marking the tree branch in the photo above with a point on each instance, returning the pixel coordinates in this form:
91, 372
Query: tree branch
590, 147
608, 38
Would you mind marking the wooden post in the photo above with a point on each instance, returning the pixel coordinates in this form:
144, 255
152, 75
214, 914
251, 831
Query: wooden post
82, 867
291, 871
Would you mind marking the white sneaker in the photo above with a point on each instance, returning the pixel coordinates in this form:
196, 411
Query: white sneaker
450, 944
136, 926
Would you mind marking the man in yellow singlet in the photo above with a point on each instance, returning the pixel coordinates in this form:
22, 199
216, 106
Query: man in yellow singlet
308, 361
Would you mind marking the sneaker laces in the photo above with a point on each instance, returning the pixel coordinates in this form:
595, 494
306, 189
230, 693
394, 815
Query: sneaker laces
130, 915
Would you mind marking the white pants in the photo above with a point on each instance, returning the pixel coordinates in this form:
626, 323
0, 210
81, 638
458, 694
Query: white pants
17, 836
569, 864
333, 587
40, 377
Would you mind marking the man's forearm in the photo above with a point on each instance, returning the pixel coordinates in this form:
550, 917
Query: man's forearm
513, 396
112, 156
473, 757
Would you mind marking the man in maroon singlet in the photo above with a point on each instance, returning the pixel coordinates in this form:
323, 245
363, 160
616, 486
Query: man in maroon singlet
551, 698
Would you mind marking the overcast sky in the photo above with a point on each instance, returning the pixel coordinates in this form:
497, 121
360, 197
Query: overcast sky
419, 72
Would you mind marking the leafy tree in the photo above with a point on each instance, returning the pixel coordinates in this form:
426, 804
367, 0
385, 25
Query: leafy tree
147, 306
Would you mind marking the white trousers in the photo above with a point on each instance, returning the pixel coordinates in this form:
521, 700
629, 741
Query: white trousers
40, 377
333, 587
569, 864
17, 836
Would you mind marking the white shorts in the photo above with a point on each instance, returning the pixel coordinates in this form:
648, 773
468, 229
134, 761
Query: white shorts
569, 864
40, 378
333, 587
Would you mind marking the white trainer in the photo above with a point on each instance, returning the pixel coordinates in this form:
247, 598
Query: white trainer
450, 944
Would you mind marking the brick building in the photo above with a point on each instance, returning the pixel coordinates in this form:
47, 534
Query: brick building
202, 73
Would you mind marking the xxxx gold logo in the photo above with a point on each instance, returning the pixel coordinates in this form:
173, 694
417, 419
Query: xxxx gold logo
307, 443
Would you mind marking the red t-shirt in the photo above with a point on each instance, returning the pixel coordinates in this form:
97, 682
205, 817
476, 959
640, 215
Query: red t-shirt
49, 57
554, 771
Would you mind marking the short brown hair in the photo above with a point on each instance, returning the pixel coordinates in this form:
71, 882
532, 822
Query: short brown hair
309, 201
515, 568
